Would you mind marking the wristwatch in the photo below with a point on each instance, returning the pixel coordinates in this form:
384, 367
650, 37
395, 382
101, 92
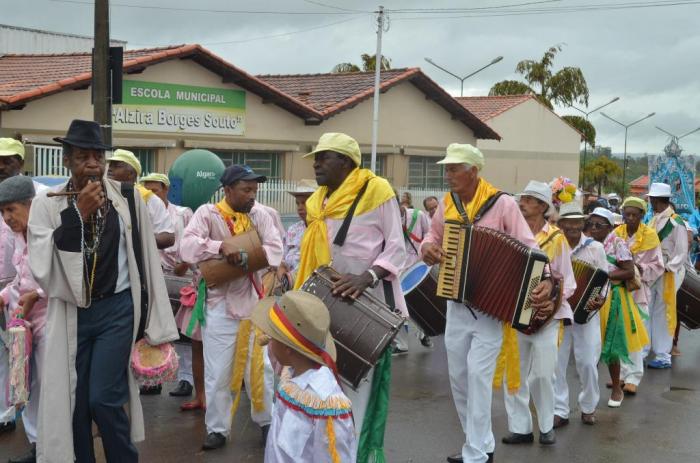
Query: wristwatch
375, 278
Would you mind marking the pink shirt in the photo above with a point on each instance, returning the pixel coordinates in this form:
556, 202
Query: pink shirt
367, 235
7, 249
419, 230
23, 283
561, 268
274, 213
202, 241
652, 265
180, 217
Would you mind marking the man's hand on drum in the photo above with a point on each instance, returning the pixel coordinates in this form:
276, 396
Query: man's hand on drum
431, 253
350, 285
231, 253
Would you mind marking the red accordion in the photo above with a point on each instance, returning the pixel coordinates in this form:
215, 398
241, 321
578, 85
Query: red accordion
491, 272
590, 282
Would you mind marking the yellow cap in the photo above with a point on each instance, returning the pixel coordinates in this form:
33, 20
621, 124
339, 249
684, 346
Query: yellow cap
127, 157
458, 153
11, 147
633, 201
339, 143
155, 177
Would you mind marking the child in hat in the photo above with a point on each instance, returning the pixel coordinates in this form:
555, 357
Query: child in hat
312, 417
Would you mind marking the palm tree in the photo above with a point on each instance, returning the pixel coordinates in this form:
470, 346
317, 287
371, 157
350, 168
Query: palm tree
564, 87
603, 171
369, 63
582, 125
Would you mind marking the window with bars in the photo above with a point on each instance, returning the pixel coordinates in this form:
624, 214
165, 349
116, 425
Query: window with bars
267, 163
147, 158
381, 163
423, 172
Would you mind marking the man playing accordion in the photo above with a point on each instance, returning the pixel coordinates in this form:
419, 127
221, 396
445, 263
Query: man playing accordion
473, 339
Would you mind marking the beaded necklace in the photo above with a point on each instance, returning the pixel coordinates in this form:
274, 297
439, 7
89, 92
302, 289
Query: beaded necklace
95, 227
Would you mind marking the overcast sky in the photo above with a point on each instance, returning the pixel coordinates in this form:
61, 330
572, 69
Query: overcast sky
649, 57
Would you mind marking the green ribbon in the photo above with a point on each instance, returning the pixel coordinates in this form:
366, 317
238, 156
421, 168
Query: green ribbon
615, 342
370, 448
198, 312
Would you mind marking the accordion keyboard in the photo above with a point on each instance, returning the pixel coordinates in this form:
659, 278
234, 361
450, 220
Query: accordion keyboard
451, 266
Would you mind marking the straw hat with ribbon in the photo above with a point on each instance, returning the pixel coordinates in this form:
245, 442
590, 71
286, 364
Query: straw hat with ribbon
305, 187
301, 321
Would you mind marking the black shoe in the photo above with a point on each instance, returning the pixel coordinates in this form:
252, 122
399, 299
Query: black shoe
214, 440
515, 438
457, 458
151, 390
426, 341
183, 389
30, 457
548, 438
560, 422
7, 427
264, 429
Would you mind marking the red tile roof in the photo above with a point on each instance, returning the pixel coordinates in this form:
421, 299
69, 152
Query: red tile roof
488, 107
313, 97
640, 185
332, 93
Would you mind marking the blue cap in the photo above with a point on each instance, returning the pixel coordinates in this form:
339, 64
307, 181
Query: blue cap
237, 172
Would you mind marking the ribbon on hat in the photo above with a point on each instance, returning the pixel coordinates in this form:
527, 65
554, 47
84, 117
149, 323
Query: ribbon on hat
280, 320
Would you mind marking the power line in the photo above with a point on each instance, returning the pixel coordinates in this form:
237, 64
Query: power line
560, 10
263, 37
207, 10
464, 10
313, 2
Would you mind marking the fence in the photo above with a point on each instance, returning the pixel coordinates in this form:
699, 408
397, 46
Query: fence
48, 161
273, 193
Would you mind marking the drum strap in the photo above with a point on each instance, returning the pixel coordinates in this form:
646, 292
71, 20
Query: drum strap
127, 190
339, 239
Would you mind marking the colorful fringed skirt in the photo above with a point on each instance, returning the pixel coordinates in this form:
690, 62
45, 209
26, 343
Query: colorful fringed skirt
621, 326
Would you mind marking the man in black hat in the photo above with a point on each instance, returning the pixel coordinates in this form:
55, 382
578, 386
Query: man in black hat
92, 248
231, 351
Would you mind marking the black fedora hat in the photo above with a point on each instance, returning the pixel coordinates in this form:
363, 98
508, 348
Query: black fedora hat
84, 134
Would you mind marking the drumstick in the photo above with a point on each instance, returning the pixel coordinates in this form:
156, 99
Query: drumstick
51, 194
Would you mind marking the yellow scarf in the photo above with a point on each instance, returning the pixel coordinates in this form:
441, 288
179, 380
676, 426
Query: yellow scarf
644, 239
508, 363
484, 191
315, 250
239, 222
145, 192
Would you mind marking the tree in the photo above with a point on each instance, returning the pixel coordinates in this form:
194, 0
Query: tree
369, 63
510, 87
582, 125
602, 171
564, 87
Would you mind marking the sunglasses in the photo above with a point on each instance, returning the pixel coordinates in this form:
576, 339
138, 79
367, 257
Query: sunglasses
597, 225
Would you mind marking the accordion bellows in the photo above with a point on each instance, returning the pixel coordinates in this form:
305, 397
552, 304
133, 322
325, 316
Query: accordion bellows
590, 282
491, 272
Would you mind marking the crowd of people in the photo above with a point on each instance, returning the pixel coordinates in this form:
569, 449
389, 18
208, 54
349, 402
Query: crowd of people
86, 265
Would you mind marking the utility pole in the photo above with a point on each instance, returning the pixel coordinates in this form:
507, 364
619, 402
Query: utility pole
101, 72
377, 80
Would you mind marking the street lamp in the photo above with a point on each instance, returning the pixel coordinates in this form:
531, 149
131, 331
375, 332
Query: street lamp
462, 79
624, 159
674, 136
582, 177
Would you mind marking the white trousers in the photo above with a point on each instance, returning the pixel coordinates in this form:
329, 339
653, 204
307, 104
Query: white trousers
657, 325
632, 373
7, 411
359, 399
30, 413
586, 344
538, 359
473, 342
184, 372
219, 338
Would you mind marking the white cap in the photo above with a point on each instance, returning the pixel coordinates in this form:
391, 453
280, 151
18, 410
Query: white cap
541, 191
604, 213
660, 190
571, 210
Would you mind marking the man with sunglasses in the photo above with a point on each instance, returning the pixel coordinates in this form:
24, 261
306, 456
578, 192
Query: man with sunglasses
584, 338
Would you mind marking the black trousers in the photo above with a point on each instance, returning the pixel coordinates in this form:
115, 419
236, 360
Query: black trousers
104, 347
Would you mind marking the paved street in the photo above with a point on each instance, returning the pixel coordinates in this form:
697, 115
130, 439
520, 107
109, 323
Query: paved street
660, 424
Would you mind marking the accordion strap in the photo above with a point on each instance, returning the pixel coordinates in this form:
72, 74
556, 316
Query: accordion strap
549, 239
480, 213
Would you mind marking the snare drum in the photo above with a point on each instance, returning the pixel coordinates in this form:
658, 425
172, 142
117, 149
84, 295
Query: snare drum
688, 300
362, 328
419, 287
